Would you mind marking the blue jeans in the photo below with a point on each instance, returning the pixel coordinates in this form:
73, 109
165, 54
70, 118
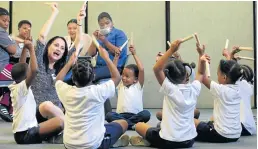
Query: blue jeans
113, 132
131, 118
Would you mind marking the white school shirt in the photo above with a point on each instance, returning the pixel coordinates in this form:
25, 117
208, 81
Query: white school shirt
24, 107
226, 110
178, 110
84, 117
130, 98
246, 114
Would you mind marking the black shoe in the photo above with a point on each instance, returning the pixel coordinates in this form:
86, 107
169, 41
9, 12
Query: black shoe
4, 114
57, 139
11, 115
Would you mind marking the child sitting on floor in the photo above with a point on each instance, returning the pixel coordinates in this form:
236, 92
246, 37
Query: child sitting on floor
25, 126
84, 104
246, 91
191, 78
130, 92
180, 98
225, 125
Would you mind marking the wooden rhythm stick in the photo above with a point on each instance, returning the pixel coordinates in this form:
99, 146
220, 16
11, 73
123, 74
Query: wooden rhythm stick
53, 3
94, 40
207, 71
245, 48
197, 39
121, 48
169, 44
227, 42
84, 5
187, 38
246, 58
131, 41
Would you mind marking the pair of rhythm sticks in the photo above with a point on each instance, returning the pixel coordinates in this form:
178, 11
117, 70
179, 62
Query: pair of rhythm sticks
226, 47
241, 49
208, 73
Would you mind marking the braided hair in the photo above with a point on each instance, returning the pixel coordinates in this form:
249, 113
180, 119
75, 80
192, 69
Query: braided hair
82, 72
248, 74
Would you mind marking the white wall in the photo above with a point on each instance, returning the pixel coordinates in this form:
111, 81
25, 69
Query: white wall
214, 22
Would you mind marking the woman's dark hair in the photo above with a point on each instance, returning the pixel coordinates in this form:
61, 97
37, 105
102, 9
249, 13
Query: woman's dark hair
82, 72
23, 22
3, 12
248, 73
231, 69
176, 72
61, 62
72, 21
134, 68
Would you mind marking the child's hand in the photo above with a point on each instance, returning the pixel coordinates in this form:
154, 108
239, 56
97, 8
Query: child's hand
236, 57
28, 44
205, 58
225, 53
177, 55
103, 53
158, 56
235, 50
54, 6
175, 45
82, 13
200, 49
132, 49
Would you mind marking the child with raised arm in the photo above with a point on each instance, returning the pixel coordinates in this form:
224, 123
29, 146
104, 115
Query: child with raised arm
84, 104
246, 92
190, 78
25, 126
225, 125
130, 92
180, 98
